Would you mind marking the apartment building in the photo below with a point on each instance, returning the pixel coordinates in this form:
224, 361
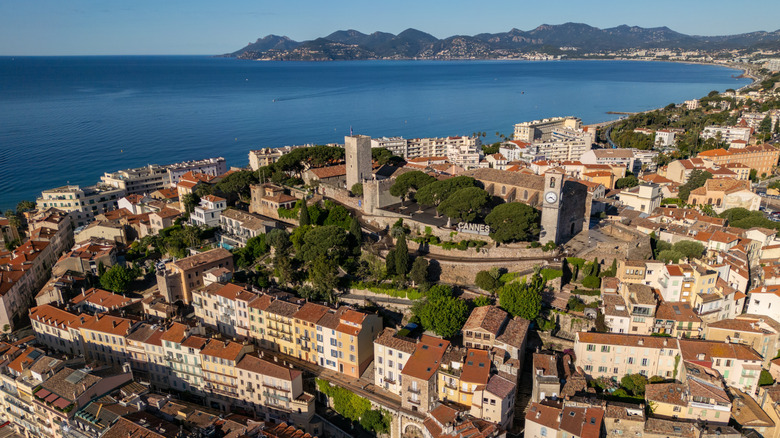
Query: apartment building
641, 302
224, 307
218, 360
615, 355
305, 325
265, 157
739, 364
104, 338
616, 315
391, 353
450, 147
644, 197
483, 326
273, 392
182, 355
237, 227
57, 329
180, 277
419, 389
210, 166
356, 334
700, 397
87, 258
677, 319
147, 357
82, 204
620, 157
761, 158
207, 213
461, 372
726, 134
396, 145
564, 145
762, 299
495, 402
139, 180
542, 129
761, 333
23, 272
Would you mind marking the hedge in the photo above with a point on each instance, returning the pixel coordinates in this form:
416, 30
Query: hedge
551, 274
586, 292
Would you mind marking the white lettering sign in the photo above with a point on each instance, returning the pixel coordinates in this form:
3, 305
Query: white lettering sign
481, 229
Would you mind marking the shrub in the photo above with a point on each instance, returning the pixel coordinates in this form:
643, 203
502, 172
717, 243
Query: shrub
591, 282
550, 274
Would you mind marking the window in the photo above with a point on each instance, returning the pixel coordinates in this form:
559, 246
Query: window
605, 348
544, 431
591, 347
644, 362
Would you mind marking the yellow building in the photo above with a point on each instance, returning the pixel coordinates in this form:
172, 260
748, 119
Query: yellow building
461, 373
279, 327
750, 330
105, 338
218, 361
356, 333
305, 323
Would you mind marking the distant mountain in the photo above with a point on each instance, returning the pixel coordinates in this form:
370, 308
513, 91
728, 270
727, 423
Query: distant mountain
412, 43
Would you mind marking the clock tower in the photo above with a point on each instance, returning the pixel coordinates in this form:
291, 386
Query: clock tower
551, 206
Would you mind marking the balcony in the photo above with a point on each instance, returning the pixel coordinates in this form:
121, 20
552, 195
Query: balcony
275, 396
413, 390
390, 381
413, 401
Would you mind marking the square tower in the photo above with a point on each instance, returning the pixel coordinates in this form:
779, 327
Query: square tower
358, 157
551, 206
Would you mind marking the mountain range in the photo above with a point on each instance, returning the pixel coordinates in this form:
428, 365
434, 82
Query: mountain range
568, 38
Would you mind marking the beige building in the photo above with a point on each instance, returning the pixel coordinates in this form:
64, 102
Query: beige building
758, 332
615, 355
542, 129
180, 277
644, 197
23, 272
724, 194
81, 204
419, 389
762, 158
391, 352
495, 401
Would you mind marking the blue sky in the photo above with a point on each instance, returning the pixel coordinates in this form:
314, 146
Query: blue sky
92, 27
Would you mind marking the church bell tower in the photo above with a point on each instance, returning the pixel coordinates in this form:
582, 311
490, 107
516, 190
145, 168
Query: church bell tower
551, 206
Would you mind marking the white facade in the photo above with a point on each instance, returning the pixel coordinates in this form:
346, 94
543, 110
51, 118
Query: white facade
542, 129
764, 303
664, 138
644, 198
141, 180
209, 166
727, 133
81, 204
396, 145
388, 364
208, 212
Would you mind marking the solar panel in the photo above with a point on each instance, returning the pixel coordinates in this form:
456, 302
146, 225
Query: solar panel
75, 377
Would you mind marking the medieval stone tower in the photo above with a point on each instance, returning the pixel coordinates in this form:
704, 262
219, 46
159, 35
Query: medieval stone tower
551, 206
358, 157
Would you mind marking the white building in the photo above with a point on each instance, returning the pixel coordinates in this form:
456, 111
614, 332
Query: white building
692, 104
644, 197
209, 166
207, 213
727, 133
765, 301
239, 226
140, 180
390, 355
621, 157
542, 129
396, 145
664, 137
81, 204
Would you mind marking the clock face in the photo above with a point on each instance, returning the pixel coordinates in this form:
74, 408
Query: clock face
551, 197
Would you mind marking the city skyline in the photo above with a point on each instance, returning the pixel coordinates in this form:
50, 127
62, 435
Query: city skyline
86, 27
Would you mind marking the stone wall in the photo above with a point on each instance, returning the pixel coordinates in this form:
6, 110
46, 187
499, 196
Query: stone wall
465, 273
515, 250
340, 195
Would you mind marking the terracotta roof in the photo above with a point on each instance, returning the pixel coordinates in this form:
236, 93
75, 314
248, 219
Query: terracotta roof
223, 349
254, 364
698, 351
582, 422
25, 360
676, 311
195, 342
669, 428
282, 430
280, 198
739, 325
108, 324
625, 340
544, 415
388, 338
213, 198
746, 412
489, 318
50, 315
425, 360
175, 333
535, 182
672, 393
102, 298
499, 386
203, 258
282, 308
170, 193
515, 332
547, 364
311, 312
476, 367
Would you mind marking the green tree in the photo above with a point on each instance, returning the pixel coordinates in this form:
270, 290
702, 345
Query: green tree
324, 274
117, 279
489, 280
283, 268
591, 282
357, 189
481, 301
697, 179
329, 240
523, 299
408, 181
190, 201
634, 384
627, 182
203, 190
390, 262
401, 256
465, 204
338, 216
238, 184
278, 238
436, 192
355, 230
304, 218
419, 272
514, 222
442, 314
669, 255
24, 206
689, 249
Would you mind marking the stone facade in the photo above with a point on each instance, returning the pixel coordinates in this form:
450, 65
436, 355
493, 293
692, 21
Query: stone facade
358, 158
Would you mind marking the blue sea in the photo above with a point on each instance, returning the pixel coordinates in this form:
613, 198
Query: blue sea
69, 119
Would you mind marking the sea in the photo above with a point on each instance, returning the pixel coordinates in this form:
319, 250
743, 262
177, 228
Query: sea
67, 120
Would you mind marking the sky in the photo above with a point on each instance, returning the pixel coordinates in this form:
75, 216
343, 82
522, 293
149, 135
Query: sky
150, 27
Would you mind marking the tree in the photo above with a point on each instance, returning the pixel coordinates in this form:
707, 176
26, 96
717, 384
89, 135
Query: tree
591, 282
670, 255
328, 240
357, 189
14, 222
419, 272
695, 180
324, 274
117, 278
203, 190
465, 204
190, 201
278, 238
513, 222
436, 192
238, 184
522, 298
24, 206
410, 180
442, 314
304, 218
481, 301
401, 256
390, 262
634, 384
753, 175
689, 249
338, 216
627, 182
489, 280
355, 230
283, 269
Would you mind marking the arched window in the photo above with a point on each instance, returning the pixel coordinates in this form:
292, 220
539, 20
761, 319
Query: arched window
709, 201
552, 183
693, 201
503, 190
717, 202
